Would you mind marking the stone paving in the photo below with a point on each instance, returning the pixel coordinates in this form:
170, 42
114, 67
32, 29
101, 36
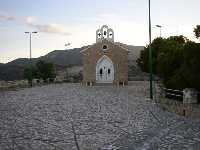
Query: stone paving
75, 117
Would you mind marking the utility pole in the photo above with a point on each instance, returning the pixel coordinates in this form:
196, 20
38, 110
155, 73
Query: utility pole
150, 55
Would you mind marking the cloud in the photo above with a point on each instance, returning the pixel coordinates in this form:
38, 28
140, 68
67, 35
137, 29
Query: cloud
6, 18
99, 18
31, 21
51, 28
46, 28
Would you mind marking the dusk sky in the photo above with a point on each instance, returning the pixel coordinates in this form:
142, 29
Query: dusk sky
63, 21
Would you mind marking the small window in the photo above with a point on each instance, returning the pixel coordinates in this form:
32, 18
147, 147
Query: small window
101, 71
108, 71
105, 47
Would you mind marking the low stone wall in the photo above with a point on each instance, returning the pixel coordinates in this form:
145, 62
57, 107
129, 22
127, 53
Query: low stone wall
189, 107
13, 84
187, 110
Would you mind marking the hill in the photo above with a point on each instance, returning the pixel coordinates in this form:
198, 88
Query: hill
61, 58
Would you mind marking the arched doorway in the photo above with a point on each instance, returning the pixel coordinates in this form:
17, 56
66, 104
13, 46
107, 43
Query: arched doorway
104, 70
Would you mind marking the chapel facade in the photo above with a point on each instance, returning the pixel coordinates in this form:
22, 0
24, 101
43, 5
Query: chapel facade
105, 62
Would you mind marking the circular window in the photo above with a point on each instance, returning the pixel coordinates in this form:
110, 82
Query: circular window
105, 47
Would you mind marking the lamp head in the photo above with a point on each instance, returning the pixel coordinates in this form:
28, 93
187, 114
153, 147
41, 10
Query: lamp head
159, 26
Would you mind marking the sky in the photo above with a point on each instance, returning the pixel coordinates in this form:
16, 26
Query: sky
75, 21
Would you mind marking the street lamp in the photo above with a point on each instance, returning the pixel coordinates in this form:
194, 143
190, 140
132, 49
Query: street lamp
67, 44
30, 34
159, 26
150, 55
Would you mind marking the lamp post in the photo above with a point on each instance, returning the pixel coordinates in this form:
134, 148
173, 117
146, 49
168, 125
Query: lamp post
30, 34
67, 74
150, 55
159, 26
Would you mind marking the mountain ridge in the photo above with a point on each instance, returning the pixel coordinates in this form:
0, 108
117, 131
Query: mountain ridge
13, 70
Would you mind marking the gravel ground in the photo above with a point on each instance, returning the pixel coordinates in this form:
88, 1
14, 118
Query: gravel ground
75, 117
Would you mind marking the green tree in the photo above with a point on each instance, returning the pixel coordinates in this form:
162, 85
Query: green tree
197, 31
143, 62
45, 70
165, 54
30, 73
167, 60
191, 65
42, 70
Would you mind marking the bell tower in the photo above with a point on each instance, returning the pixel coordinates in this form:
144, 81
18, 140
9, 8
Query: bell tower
104, 33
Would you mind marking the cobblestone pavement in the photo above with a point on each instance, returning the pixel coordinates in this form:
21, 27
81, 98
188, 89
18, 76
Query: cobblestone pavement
73, 117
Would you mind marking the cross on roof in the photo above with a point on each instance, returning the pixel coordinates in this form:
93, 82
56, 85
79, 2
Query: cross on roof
99, 34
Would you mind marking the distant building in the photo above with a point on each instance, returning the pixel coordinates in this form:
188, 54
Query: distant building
105, 62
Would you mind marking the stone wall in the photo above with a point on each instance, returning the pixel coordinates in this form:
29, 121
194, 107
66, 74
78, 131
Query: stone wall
188, 107
13, 84
187, 110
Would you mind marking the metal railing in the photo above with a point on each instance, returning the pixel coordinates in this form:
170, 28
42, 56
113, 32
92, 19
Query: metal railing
173, 94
